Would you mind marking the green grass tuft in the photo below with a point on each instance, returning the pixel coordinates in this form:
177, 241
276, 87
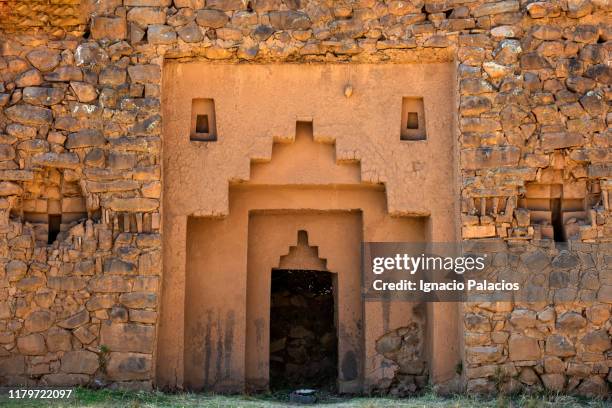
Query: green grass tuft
154, 399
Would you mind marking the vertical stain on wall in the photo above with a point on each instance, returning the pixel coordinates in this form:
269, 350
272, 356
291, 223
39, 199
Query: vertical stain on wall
219, 349
207, 346
349, 366
228, 342
259, 326
386, 307
194, 349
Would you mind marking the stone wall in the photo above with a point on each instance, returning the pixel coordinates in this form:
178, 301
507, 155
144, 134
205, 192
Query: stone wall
80, 100
556, 335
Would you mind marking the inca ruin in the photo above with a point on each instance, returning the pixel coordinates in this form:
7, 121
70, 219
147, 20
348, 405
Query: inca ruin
186, 187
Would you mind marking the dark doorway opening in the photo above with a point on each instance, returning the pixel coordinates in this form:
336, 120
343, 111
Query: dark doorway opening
55, 224
303, 340
557, 220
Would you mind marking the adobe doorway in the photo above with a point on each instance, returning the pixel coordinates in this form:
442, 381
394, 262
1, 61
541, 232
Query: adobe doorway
313, 243
344, 159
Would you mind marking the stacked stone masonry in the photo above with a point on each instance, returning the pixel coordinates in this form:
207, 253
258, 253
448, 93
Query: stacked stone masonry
80, 130
557, 335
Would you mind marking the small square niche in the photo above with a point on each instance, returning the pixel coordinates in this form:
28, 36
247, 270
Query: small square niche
203, 121
413, 119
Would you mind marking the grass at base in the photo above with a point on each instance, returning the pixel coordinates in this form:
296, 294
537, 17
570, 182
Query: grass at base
132, 399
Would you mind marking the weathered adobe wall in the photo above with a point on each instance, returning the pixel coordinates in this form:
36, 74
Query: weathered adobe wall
80, 98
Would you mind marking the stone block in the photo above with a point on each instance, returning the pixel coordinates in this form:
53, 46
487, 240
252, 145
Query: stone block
481, 386
57, 160
578, 370
98, 302
190, 33
598, 314
267, 5
127, 337
109, 284
115, 266
522, 319
499, 7
44, 59
32, 345
143, 316
560, 346
594, 387
64, 74
289, 20
8, 188
29, 115
85, 334
553, 382
129, 366
533, 61
182, 17
226, 5
147, 3
133, 204
30, 283
478, 231
69, 283
12, 366
546, 32
147, 73
75, 320
112, 76
490, 157
571, 322
523, 348
64, 380
85, 138
31, 77
554, 365
59, 340
39, 321
161, 34
139, 300
73, 205
483, 354
560, 140
84, 92
111, 28
597, 341
528, 376
80, 362
35, 95
145, 16
211, 18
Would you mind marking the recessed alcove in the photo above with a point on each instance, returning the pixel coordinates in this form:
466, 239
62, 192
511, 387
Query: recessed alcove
52, 202
413, 119
556, 209
202, 125
203, 120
